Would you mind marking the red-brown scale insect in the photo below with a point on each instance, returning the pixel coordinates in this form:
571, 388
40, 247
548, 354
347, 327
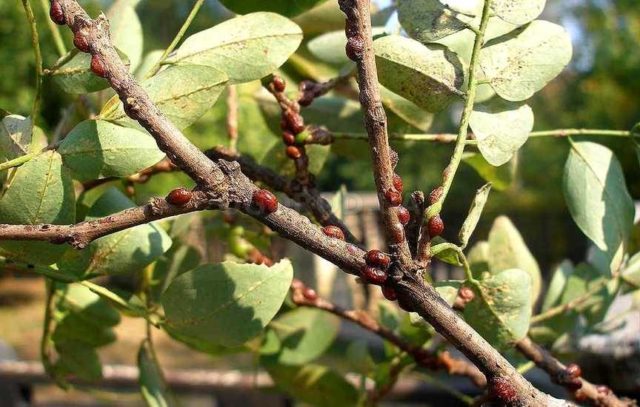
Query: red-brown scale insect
436, 226
397, 183
397, 233
374, 275
393, 197
264, 201
573, 371
403, 215
288, 138
466, 294
179, 197
279, 85
435, 195
309, 294
80, 41
501, 389
389, 293
56, 13
333, 231
354, 48
376, 258
97, 66
293, 152
296, 123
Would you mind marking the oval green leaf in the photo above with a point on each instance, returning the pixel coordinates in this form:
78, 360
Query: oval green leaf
501, 309
429, 20
40, 192
97, 148
226, 303
73, 73
523, 62
597, 196
125, 30
517, 11
266, 40
429, 76
501, 128
289, 8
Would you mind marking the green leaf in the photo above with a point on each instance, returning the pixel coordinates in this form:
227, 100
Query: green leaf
313, 384
442, 250
183, 93
125, 30
508, 250
597, 196
127, 251
517, 11
96, 149
501, 309
429, 76
501, 128
40, 192
84, 323
472, 219
523, 62
152, 384
304, 334
478, 258
226, 303
429, 20
265, 39
557, 284
631, 273
73, 73
406, 110
289, 8
500, 177
15, 136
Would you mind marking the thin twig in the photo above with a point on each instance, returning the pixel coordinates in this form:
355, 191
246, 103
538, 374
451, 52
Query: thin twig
55, 30
185, 26
598, 395
232, 116
35, 43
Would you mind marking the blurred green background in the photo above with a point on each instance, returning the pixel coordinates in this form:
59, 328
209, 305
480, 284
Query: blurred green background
599, 90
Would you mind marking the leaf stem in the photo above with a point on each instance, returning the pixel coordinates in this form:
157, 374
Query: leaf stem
55, 30
185, 26
450, 137
461, 139
35, 42
18, 161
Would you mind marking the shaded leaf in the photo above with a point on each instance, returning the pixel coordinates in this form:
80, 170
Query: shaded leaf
304, 334
596, 195
313, 384
125, 30
152, 384
501, 128
429, 76
97, 148
508, 250
523, 62
287, 8
500, 177
429, 20
406, 110
183, 93
73, 73
501, 309
472, 219
40, 192
227, 303
264, 39
15, 136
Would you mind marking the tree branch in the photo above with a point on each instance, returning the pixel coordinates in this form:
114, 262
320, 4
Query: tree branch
598, 395
83, 233
421, 356
360, 49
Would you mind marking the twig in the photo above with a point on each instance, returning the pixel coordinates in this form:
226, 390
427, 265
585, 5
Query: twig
360, 48
185, 26
599, 395
55, 30
232, 116
83, 233
421, 356
35, 43
450, 171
